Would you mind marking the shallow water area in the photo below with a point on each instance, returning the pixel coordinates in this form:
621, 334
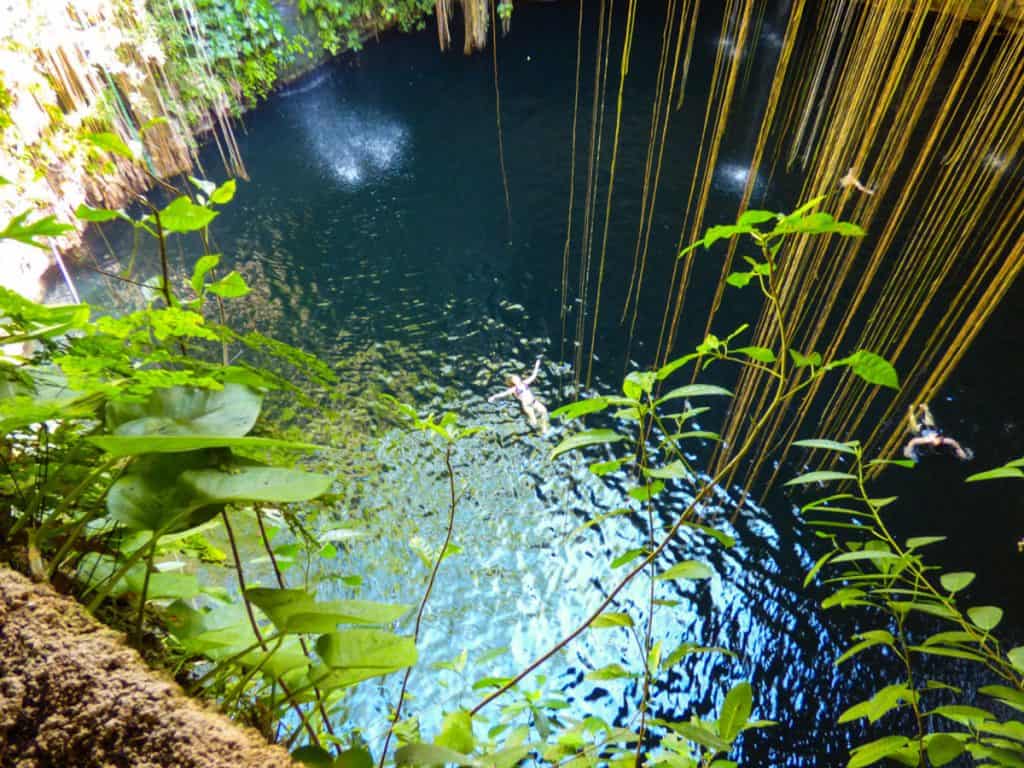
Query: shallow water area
374, 234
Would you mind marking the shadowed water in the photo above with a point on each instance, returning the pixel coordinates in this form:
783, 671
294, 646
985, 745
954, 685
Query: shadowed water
375, 234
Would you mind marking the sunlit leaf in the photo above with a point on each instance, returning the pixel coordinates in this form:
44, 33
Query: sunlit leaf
986, 617
583, 439
1016, 657
609, 672
694, 390
366, 653
923, 541
231, 286
295, 610
688, 569
872, 368
110, 142
760, 354
430, 754
627, 557
828, 445
225, 193
873, 751
133, 445
646, 492
609, 620
97, 215
182, 215
801, 360
231, 411
457, 732
954, 582
580, 408
963, 714
820, 476
998, 473
736, 709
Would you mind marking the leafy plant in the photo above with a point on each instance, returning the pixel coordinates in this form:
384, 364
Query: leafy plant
923, 619
342, 24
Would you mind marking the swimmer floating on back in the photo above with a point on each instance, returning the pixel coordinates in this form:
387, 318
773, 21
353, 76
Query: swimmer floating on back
519, 388
927, 434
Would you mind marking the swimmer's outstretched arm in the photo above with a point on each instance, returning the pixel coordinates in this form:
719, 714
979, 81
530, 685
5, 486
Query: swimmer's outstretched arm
912, 417
961, 454
533, 376
503, 393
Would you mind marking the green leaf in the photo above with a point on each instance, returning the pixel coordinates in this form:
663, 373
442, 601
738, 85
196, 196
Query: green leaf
954, 582
952, 653
314, 756
361, 654
225, 193
602, 468
739, 279
429, 754
753, 217
963, 714
829, 445
923, 541
864, 554
97, 215
646, 492
873, 751
805, 361
296, 611
231, 411
201, 269
688, 569
17, 229
610, 620
583, 439
932, 609
255, 483
986, 617
457, 732
609, 672
626, 557
357, 757
884, 701
580, 408
110, 142
182, 215
820, 476
1009, 696
996, 474
673, 471
1016, 657
696, 732
133, 445
673, 365
689, 649
638, 383
868, 640
760, 354
873, 369
736, 709
231, 286
694, 390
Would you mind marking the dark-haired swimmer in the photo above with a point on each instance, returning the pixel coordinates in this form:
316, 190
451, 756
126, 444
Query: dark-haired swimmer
926, 434
536, 412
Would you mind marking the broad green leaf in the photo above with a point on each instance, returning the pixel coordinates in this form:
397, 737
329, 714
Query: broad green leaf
954, 582
844, 597
874, 369
1009, 696
646, 492
457, 732
313, 756
942, 748
580, 408
724, 231
609, 672
97, 215
818, 565
760, 354
739, 279
952, 653
950, 638
884, 701
864, 554
986, 617
873, 751
133, 445
694, 390
820, 476
255, 483
688, 569
295, 610
602, 468
638, 383
1016, 657
430, 754
609, 620
673, 471
231, 411
701, 735
932, 609
690, 649
366, 653
356, 757
828, 445
201, 269
752, 217
963, 714
231, 286
182, 215
801, 360
583, 439
867, 640
996, 474
225, 193
721, 537
736, 709
673, 365
48, 226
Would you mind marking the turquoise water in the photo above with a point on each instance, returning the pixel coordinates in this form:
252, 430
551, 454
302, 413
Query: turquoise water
375, 234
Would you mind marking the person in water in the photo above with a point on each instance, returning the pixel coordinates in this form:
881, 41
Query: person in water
927, 435
536, 412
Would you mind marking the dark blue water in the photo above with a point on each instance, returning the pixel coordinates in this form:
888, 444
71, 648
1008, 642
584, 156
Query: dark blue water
375, 234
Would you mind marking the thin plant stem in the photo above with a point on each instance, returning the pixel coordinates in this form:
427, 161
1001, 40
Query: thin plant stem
426, 595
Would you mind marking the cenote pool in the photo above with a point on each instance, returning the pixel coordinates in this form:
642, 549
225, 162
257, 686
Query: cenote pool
375, 234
